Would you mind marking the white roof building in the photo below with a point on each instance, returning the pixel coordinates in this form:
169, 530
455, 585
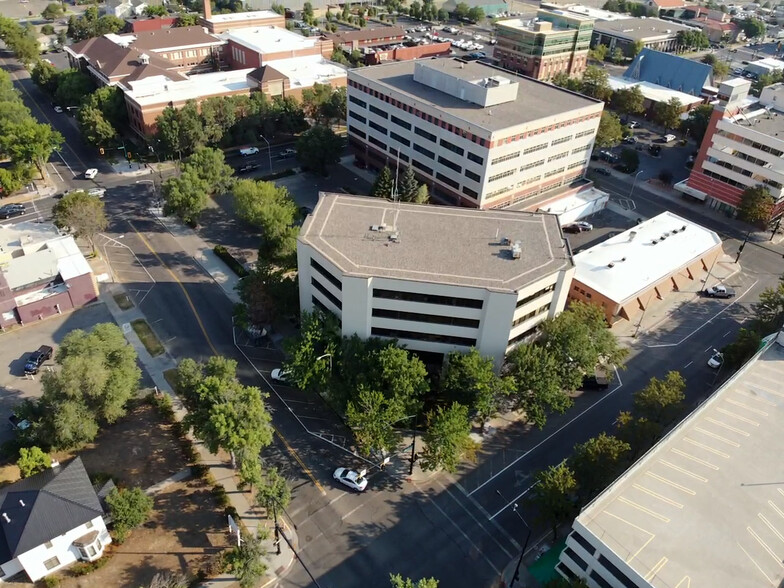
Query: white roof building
654, 92
160, 89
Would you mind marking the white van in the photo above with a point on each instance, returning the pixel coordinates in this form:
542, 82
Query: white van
669, 138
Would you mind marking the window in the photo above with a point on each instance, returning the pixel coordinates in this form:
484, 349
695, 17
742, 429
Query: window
355, 116
531, 180
535, 295
322, 307
475, 158
425, 318
423, 151
554, 172
562, 140
51, 563
575, 558
425, 134
453, 148
530, 315
398, 154
427, 298
556, 157
575, 164
357, 132
448, 181
535, 148
495, 193
401, 123
431, 337
599, 580
505, 174
470, 192
357, 101
533, 164
377, 127
449, 164
503, 158
378, 111
324, 292
581, 149
89, 524
399, 139
617, 574
584, 133
522, 336
472, 176
422, 166
324, 272
48, 544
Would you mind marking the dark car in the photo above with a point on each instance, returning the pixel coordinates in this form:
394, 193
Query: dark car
602, 171
248, 168
11, 210
594, 383
37, 358
654, 149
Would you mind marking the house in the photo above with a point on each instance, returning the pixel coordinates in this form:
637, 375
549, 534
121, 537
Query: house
49, 521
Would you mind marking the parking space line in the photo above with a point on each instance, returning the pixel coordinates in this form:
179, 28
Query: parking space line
768, 578
777, 510
745, 406
737, 416
644, 545
693, 458
656, 569
717, 437
766, 391
756, 398
765, 546
770, 526
682, 470
352, 511
658, 496
707, 448
644, 509
623, 520
728, 427
675, 485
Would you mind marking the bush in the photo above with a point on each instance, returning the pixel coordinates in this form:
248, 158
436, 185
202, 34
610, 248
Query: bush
219, 492
52, 581
86, 567
228, 258
129, 508
47, 29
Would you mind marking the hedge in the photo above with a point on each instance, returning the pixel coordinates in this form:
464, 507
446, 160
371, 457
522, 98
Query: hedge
228, 258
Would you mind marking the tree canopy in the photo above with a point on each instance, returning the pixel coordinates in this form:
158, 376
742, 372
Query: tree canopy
81, 213
447, 439
92, 24
209, 165
756, 205
629, 101
668, 114
397, 581
698, 120
610, 131
318, 148
32, 460
130, 507
554, 495
185, 196
753, 28
660, 400
597, 462
271, 208
538, 382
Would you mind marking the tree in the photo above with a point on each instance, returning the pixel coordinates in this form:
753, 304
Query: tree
629, 100
95, 128
563, 80
180, 130
53, 11
307, 10
665, 177
610, 131
13, 178
72, 86
245, 561
756, 205
630, 160
475, 14
742, 349
634, 48
187, 19
640, 433
384, 185
598, 53
698, 120
32, 461
90, 24
110, 101
402, 378
318, 340
20, 39
447, 439
186, 196
537, 379
267, 293
45, 76
709, 59
597, 462
668, 114
721, 70
618, 56
397, 581
371, 419
442, 15
273, 492
209, 165
318, 148
753, 28
169, 580
153, 10
29, 142
769, 311
553, 495
271, 208
461, 10
324, 104
660, 400
596, 83
130, 507
82, 213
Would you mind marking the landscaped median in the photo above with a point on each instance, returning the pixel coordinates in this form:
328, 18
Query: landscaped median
148, 338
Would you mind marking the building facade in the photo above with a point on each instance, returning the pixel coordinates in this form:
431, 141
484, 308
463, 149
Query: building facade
555, 42
478, 135
742, 148
438, 279
653, 33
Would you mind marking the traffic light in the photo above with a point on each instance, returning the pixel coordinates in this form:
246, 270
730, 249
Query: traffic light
129, 154
101, 151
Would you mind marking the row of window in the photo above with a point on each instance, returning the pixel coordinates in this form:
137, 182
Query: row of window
400, 315
535, 295
429, 337
427, 298
530, 315
504, 174
326, 293
323, 308
326, 273
558, 156
750, 143
507, 157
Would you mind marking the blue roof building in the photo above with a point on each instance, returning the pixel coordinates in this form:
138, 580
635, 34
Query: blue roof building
670, 71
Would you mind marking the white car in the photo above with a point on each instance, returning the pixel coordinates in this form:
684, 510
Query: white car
280, 375
58, 109
90, 173
355, 481
249, 151
716, 360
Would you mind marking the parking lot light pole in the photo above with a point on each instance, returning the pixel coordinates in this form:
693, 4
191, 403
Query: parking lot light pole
634, 183
269, 151
525, 544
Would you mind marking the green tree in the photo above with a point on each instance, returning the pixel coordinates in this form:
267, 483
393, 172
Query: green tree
610, 131
307, 10
461, 10
186, 196
53, 11
267, 293
318, 148
668, 114
29, 142
318, 340
640, 433
81, 213
447, 439
245, 561
271, 208
442, 15
371, 418
402, 378
753, 28
475, 14
709, 59
180, 130
324, 104
737, 353
698, 120
634, 48
407, 186
630, 160
273, 493
596, 83
756, 205
22, 40
187, 19
598, 53
209, 165
597, 462
629, 100
553, 495
155, 10
110, 101
397, 581
660, 401
384, 185
721, 70
32, 461
538, 387
130, 507
564, 80
95, 129
618, 56
13, 178
769, 311
249, 470
72, 86
45, 76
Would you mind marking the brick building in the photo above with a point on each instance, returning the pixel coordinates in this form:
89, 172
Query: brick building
350, 41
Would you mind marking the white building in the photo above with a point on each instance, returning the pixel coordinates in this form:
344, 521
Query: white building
703, 507
478, 135
50, 520
438, 279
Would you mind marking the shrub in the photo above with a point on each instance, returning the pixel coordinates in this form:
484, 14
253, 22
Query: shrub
130, 508
228, 258
52, 581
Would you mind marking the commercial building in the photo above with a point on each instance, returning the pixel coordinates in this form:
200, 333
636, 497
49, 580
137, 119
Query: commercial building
556, 41
628, 273
41, 274
257, 46
478, 135
438, 279
653, 33
704, 506
350, 41
742, 148
220, 23
670, 71
654, 94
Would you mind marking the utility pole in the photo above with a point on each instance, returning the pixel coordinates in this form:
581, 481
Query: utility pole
413, 450
742, 245
525, 544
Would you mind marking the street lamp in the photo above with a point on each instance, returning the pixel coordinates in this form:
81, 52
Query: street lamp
269, 151
634, 183
329, 355
152, 183
525, 544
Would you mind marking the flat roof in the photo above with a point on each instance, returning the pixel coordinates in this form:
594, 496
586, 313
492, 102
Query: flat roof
535, 100
159, 89
760, 120
31, 268
640, 28
594, 13
653, 92
269, 39
26, 234
437, 244
638, 263
240, 16
303, 72
529, 24
704, 506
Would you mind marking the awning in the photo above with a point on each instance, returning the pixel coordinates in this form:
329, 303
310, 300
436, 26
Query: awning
689, 191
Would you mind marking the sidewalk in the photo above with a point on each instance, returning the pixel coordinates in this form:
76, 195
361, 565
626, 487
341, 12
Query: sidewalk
253, 517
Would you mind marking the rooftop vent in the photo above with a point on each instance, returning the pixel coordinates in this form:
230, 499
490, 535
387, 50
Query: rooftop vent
632, 235
654, 242
395, 238
22, 502
623, 259
517, 250
611, 264
683, 228
144, 58
506, 241
378, 228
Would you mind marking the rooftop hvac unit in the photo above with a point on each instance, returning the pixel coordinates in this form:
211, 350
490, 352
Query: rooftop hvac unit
377, 228
506, 241
517, 250
611, 264
394, 238
654, 242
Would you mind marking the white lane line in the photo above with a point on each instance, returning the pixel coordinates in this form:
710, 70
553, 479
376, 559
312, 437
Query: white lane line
524, 492
351, 512
727, 333
54, 169
554, 433
688, 364
66, 163
708, 348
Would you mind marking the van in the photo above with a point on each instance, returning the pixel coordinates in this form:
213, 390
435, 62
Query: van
669, 138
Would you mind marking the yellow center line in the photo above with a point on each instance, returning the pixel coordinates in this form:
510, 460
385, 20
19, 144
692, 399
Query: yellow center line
209, 342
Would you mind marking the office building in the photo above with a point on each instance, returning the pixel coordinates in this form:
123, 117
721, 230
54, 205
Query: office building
436, 278
742, 148
478, 135
653, 33
705, 505
556, 41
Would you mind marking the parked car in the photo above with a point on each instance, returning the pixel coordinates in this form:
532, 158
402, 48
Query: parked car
716, 360
719, 292
633, 124
280, 375
287, 153
247, 168
602, 171
577, 227
90, 174
669, 138
11, 210
654, 149
37, 358
58, 109
97, 192
630, 140
352, 479
17, 423
249, 151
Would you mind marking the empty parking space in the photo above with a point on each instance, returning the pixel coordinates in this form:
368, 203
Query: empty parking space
126, 268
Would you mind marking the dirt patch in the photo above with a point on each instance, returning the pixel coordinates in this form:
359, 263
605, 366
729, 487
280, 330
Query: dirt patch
185, 531
139, 450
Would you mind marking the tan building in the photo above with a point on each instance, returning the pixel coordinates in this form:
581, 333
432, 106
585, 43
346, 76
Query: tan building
350, 41
628, 273
220, 23
554, 42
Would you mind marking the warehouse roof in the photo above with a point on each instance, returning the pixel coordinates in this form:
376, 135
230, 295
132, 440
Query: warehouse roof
456, 246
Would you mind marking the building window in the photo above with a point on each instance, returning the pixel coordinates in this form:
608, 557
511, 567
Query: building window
452, 147
448, 181
569, 552
561, 140
584, 133
324, 292
378, 111
617, 574
422, 166
401, 123
470, 192
357, 101
380, 144
554, 172
449, 164
51, 563
557, 157
377, 127
423, 151
599, 580
535, 295
356, 116
530, 315
535, 148
327, 274
425, 318
523, 336
502, 175
472, 176
532, 165
357, 132
399, 139
48, 544
503, 158
583, 542
429, 337
427, 298
475, 158
425, 134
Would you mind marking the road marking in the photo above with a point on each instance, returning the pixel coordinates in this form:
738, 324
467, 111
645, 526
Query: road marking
656, 569
684, 471
746, 406
688, 364
658, 496
54, 169
351, 512
765, 546
768, 578
641, 508
551, 435
671, 483
299, 461
523, 493
702, 462
727, 333
770, 526
708, 348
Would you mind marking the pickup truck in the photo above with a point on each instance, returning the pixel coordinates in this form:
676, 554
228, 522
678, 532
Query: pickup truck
37, 358
249, 151
719, 292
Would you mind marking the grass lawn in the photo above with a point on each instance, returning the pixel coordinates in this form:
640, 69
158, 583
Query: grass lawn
148, 338
123, 301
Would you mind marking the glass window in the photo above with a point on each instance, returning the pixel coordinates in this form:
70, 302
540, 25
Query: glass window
51, 563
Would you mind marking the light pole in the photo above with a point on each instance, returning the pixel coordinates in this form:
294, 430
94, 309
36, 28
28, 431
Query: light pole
634, 183
329, 355
269, 151
525, 544
152, 183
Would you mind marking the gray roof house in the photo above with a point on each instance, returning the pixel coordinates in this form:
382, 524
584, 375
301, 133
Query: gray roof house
50, 520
